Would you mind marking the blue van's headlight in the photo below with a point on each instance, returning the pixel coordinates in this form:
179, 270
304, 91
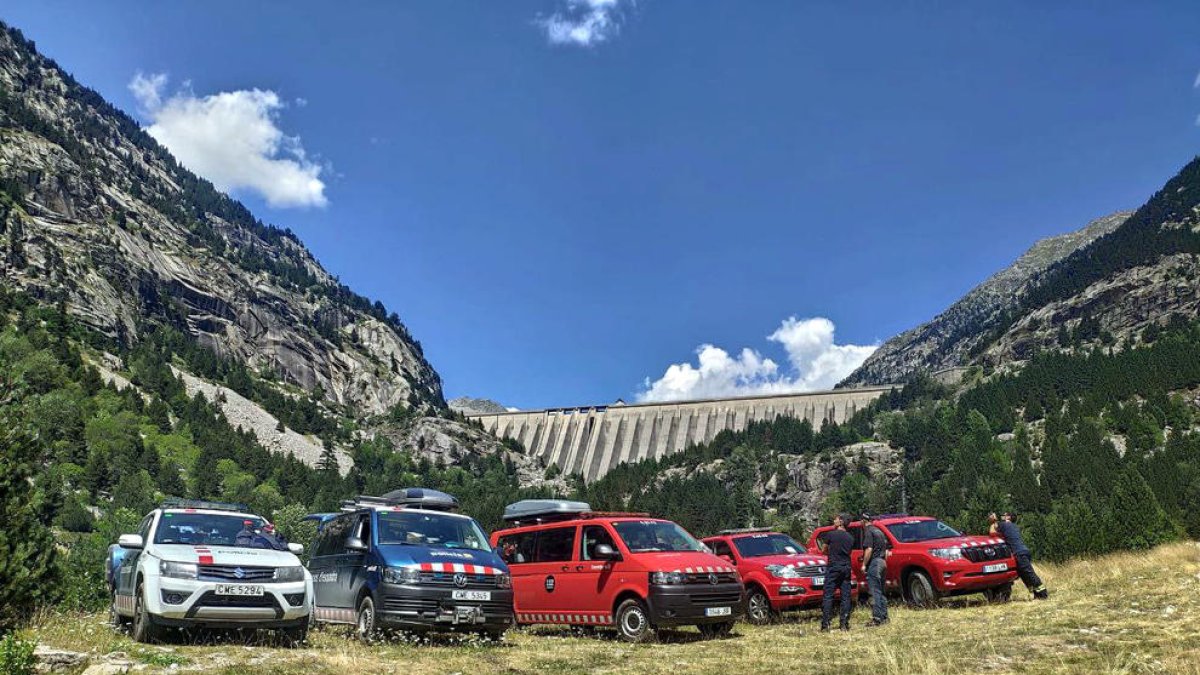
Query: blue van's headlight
503, 581
401, 575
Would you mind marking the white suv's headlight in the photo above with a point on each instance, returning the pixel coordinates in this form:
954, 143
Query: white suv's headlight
176, 570
667, 578
503, 581
289, 573
783, 571
947, 553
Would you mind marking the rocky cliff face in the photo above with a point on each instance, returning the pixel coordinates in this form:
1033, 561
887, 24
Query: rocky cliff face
947, 340
95, 214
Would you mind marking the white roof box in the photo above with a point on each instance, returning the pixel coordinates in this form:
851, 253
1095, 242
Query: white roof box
543, 510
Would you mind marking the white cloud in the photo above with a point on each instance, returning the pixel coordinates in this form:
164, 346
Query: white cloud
583, 23
815, 362
233, 139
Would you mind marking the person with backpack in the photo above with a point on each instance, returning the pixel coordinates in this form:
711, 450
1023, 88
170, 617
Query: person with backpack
1005, 528
876, 548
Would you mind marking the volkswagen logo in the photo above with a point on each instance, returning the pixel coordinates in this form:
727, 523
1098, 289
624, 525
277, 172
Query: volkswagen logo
460, 579
712, 578
239, 573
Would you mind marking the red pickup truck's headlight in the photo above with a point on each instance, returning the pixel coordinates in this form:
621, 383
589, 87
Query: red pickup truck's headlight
947, 554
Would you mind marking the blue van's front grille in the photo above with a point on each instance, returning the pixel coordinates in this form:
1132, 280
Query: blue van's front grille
447, 579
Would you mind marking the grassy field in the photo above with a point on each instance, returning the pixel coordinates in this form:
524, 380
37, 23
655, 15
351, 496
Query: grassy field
1127, 613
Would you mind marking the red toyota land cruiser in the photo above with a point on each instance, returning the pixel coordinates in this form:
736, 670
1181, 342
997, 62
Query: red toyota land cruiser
572, 566
931, 560
779, 574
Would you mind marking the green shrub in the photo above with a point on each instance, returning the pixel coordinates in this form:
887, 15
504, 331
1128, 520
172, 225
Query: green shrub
16, 655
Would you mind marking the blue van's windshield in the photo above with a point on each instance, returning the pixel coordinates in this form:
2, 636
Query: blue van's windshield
426, 528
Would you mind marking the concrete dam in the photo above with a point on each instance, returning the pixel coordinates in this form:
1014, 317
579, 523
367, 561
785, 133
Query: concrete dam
591, 440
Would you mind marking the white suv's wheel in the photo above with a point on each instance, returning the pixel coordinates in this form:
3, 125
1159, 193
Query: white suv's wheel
144, 628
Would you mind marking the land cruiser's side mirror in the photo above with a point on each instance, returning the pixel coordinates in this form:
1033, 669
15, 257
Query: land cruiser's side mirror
297, 549
133, 541
355, 544
605, 552
727, 558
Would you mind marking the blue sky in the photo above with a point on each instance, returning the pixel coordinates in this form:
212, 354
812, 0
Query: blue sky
560, 222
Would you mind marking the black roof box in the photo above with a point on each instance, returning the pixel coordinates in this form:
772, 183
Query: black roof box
544, 510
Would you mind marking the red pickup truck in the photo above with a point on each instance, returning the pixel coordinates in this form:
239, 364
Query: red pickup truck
930, 560
779, 574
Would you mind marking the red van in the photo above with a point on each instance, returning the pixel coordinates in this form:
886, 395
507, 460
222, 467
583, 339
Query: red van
779, 573
930, 560
572, 566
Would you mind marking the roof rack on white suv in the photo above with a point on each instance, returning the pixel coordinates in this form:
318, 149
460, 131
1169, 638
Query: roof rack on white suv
179, 503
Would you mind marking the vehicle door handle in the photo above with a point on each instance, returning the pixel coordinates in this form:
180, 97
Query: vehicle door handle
579, 568
566, 568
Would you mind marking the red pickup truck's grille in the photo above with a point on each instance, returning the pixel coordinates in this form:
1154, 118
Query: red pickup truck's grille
986, 553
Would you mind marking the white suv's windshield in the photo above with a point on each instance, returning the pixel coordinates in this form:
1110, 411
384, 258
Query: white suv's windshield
641, 536
210, 529
424, 528
921, 530
756, 545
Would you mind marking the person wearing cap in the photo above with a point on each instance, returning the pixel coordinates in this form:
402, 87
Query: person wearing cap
837, 544
1005, 528
246, 536
876, 548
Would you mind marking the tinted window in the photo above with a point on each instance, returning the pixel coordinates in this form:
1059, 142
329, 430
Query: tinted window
922, 530
719, 547
643, 536
555, 545
333, 536
144, 527
593, 536
766, 544
430, 528
516, 549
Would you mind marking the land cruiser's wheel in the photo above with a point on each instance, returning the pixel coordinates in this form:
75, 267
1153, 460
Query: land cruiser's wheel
633, 622
999, 593
758, 608
144, 628
920, 590
365, 620
716, 630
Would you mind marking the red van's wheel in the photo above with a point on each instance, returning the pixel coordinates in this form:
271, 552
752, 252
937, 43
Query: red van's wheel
633, 622
758, 608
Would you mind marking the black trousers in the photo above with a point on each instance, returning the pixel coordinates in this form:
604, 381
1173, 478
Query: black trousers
836, 578
1028, 575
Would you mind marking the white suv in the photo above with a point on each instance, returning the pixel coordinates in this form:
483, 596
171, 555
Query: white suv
203, 564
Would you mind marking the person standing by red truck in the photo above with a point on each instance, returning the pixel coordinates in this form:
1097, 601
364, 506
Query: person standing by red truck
1005, 527
874, 567
837, 545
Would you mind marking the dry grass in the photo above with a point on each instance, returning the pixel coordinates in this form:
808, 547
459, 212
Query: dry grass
1127, 613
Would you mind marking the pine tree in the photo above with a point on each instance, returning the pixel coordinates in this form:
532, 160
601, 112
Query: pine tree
28, 556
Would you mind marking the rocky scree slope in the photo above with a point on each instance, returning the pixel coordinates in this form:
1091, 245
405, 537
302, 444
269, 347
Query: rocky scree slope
95, 214
947, 339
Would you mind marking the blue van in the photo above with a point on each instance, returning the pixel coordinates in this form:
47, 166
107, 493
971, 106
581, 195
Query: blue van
407, 561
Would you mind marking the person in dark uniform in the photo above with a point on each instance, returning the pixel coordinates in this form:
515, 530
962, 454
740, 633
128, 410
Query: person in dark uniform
875, 551
837, 544
1005, 527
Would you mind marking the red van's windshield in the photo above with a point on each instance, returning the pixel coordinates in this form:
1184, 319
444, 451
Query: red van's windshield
642, 536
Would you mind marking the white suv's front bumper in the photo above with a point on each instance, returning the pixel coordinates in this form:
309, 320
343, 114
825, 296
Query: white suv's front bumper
200, 604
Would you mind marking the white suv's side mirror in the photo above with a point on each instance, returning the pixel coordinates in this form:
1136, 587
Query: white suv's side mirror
131, 541
298, 549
